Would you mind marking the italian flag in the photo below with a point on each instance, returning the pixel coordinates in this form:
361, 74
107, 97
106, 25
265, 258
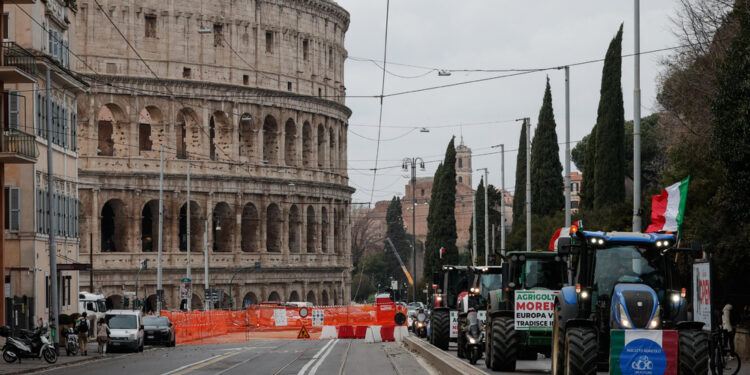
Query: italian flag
643, 352
668, 208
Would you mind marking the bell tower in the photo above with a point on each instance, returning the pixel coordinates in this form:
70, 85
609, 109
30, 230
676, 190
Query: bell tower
463, 164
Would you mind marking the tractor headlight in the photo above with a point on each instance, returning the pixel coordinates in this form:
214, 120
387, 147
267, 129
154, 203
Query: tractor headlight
656, 320
624, 321
472, 341
439, 298
675, 297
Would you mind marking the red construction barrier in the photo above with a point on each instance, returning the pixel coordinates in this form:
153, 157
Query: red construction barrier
386, 333
346, 332
360, 332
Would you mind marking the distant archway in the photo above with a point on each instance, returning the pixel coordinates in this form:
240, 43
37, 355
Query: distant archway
294, 297
250, 298
273, 228
114, 227
250, 226
311, 297
196, 228
270, 141
149, 225
310, 229
247, 134
186, 120
307, 145
321, 145
223, 228
290, 143
114, 302
295, 227
109, 121
324, 298
274, 297
324, 229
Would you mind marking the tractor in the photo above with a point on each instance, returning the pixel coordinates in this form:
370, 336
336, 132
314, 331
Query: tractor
623, 285
482, 280
519, 319
451, 282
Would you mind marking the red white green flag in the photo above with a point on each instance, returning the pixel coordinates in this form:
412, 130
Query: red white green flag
643, 352
668, 208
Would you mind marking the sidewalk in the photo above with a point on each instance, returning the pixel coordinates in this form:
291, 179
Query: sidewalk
33, 365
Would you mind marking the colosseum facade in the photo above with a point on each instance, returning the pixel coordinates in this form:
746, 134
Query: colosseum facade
250, 95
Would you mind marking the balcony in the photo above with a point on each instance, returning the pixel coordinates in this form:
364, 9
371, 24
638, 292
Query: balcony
18, 147
19, 65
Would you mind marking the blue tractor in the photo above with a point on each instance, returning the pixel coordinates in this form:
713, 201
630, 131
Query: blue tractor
622, 281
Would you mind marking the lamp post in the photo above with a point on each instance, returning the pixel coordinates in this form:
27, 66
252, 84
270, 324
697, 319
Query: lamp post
254, 267
413, 163
143, 266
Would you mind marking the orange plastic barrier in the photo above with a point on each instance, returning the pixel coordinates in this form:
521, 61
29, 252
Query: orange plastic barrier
386, 333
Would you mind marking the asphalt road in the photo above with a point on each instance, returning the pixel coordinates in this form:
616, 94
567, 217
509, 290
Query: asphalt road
299, 357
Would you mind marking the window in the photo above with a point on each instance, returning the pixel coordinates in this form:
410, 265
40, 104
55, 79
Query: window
422, 192
330, 58
13, 109
320, 92
74, 131
305, 50
460, 163
144, 137
269, 41
150, 26
460, 179
574, 204
218, 36
289, 86
186, 73
6, 27
245, 79
12, 208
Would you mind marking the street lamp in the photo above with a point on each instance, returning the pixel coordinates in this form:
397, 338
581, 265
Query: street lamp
404, 166
254, 267
143, 266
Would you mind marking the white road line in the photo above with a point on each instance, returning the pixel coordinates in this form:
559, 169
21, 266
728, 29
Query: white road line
323, 358
192, 364
315, 357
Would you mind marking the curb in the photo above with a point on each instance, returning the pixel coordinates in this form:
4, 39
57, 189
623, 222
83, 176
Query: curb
441, 361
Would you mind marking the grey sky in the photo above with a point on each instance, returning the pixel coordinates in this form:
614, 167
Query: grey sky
486, 34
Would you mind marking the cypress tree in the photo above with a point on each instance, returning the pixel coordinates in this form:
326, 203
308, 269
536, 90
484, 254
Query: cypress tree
441, 220
396, 232
519, 194
609, 173
479, 211
431, 257
588, 186
546, 170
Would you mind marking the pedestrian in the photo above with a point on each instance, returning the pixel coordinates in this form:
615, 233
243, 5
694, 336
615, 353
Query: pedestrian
102, 336
726, 325
82, 329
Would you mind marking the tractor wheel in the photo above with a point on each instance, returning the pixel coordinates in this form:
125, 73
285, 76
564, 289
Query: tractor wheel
488, 343
441, 329
461, 344
504, 344
581, 349
693, 357
558, 344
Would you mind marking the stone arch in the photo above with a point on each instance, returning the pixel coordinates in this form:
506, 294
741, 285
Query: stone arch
295, 229
149, 225
249, 231
273, 228
150, 305
196, 227
110, 122
149, 118
310, 230
274, 297
290, 143
220, 132
324, 229
249, 298
294, 297
332, 148
310, 297
196, 303
114, 227
248, 135
324, 298
307, 145
321, 146
185, 123
270, 141
340, 156
114, 302
223, 228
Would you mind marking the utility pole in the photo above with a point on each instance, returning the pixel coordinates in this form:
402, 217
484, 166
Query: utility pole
527, 122
637, 122
189, 218
54, 309
413, 163
91, 262
474, 231
159, 290
567, 146
502, 199
205, 264
486, 219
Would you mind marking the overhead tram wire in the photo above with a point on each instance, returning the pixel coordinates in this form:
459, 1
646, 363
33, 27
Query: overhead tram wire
382, 92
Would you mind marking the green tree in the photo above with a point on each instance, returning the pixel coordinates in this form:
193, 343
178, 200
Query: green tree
479, 211
588, 185
546, 171
396, 231
441, 219
609, 173
516, 239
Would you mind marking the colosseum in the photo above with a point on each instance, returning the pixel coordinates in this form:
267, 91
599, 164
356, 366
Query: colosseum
248, 95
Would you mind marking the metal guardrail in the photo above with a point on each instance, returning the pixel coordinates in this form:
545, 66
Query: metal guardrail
20, 57
15, 141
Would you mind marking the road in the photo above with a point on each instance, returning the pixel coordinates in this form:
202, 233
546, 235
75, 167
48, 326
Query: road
297, 357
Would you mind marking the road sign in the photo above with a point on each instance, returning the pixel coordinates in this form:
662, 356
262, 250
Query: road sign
186, 289
303, 334
303, 312
394, 285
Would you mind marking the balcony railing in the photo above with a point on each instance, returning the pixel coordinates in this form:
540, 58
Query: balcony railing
18, 142
19, 57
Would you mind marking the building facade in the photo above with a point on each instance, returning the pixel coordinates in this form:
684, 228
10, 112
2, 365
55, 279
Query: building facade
249, 96
37, 40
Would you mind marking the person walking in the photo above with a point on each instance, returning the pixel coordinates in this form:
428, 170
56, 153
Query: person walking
102, 336
82, 329
726, 324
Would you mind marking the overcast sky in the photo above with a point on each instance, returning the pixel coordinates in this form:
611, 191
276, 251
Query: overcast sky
483, 34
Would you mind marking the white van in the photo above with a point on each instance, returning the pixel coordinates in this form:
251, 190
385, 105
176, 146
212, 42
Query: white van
126, 329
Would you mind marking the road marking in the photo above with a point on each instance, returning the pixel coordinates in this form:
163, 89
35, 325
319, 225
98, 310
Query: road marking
200, 364
323, 358
315, 357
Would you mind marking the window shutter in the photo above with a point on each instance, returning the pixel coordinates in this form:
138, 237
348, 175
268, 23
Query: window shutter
13, 110
74, 131
38, 106
66, 123
14, 224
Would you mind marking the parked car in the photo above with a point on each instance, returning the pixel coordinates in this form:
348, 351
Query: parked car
126, 329
159, 331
